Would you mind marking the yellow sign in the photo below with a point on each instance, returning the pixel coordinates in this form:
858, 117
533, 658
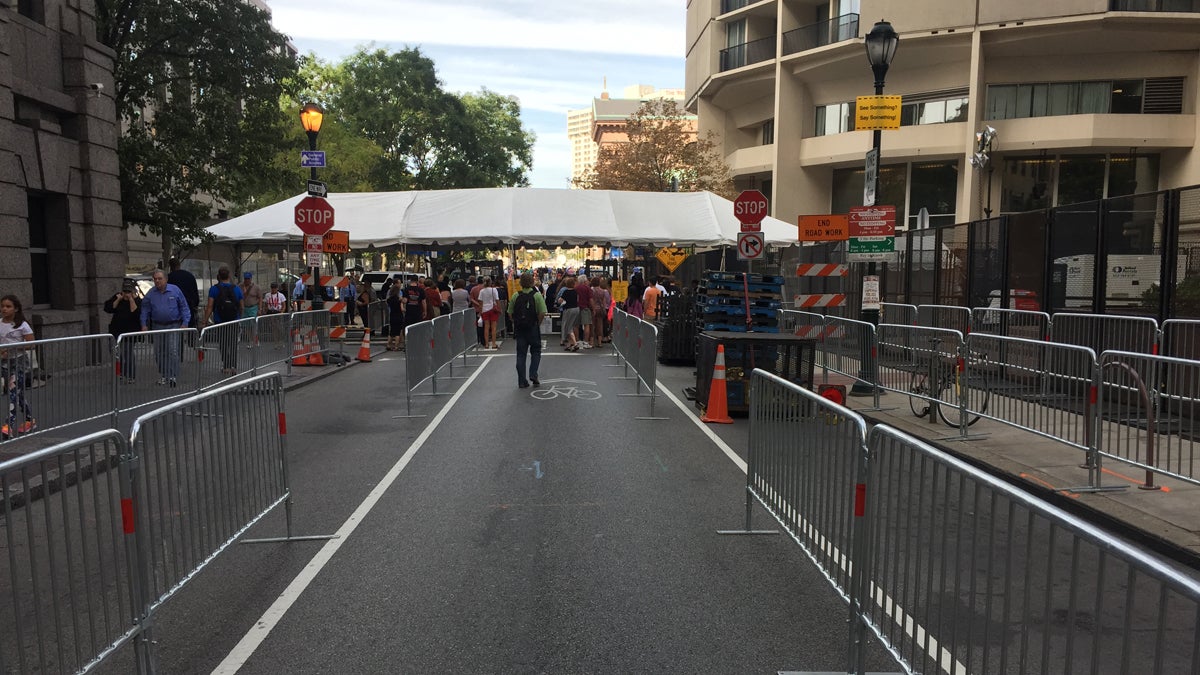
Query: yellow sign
620, 290
824, 228
876, 112
671, 257
336, 241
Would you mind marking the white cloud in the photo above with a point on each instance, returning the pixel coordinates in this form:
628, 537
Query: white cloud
646, 27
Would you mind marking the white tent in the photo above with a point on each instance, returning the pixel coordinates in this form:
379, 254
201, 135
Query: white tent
513, 216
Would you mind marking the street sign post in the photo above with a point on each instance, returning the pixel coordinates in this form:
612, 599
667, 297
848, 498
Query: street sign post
872, 234
750, 245
314, 216
750, 207
312, 159
871, 175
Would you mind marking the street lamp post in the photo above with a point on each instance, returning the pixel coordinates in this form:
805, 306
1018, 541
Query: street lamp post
881, 45
311, 117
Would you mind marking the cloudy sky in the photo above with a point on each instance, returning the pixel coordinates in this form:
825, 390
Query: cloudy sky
553, 55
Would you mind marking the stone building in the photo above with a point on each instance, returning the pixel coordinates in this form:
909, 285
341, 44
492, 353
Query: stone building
62, 245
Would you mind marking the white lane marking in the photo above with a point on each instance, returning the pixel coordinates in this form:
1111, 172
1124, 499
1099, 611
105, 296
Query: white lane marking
890, 607
270, 618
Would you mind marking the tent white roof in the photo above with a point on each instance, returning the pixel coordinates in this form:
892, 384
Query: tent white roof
513, 216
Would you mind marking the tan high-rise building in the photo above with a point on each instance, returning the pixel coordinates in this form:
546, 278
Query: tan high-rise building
586, 137
1089, 98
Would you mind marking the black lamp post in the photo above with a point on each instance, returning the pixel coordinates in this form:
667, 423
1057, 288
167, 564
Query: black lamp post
881, 48
311, 117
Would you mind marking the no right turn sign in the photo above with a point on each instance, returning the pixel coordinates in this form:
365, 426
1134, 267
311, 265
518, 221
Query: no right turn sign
750, 245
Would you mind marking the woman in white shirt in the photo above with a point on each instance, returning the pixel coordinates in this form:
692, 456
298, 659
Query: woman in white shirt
489, 309
14, 364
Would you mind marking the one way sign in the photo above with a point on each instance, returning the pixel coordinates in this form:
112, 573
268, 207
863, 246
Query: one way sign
750, 245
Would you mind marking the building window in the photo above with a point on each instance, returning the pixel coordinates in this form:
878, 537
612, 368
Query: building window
768, 132
32, 9
909, 187
39, 251
1044, 99
1031, 183
838, 118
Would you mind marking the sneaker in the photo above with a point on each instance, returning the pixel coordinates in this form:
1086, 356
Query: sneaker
536, 382
523, 385
162, 381
27, 426
585, 345
172, 382
5, 434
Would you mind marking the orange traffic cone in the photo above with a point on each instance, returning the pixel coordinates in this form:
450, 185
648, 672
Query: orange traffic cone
315, 358
299, 350
364, 351
717, 410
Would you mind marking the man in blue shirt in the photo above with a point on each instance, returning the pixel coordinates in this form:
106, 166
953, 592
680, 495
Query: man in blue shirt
348, 296
225, 306
165, 308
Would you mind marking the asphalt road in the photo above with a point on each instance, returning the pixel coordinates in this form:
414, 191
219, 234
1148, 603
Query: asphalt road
515, 535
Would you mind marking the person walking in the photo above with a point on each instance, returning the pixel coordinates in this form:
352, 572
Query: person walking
489, 309
185, 281
126, 310
568, 304
583, 292
251, 296
225, 306
650, 300
527, 310
14, 365
395, 305
166, 308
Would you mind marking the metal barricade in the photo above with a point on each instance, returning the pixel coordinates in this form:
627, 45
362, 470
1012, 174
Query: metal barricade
802, 324
69, 577
50, 384
965, 573
419, 363
310, 330
469, 340
443, 344
377, 318
1148, 409
803, 464
849, 348
157, 366
1102, 332
226, 349
274, 345
896, 313
204, 470
945, 316
919, 362
1180, 338
457, 337
1018, 323
1040, 387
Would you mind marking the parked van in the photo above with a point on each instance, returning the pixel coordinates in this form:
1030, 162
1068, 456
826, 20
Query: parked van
376, 279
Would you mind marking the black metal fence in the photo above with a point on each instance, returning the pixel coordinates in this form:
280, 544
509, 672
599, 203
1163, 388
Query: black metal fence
831, 31
754, 51
1137, 255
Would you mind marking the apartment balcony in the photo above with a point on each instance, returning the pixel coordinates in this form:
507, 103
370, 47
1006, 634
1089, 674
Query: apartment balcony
838, 29
1154, 6
753, 160
728, 6
747, 53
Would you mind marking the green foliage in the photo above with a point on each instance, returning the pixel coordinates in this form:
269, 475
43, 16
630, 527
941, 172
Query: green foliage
1186, 303
198, 84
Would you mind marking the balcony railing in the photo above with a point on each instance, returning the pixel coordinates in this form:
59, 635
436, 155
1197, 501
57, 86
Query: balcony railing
1154, 6
747, 53
728, 6
838, 29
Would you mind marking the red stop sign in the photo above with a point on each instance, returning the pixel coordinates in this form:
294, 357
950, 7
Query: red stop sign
750, 207
314, 215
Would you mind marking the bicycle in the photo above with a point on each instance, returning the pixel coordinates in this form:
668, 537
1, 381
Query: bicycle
554, 391
950, 379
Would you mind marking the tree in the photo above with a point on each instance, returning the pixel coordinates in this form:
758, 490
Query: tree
430, 138
198, 85
661, 149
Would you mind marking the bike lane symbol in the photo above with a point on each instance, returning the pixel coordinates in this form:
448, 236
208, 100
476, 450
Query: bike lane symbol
565, 388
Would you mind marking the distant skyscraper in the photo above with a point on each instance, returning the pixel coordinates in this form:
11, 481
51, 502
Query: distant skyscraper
581, 123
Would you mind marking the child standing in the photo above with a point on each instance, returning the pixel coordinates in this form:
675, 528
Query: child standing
14, 363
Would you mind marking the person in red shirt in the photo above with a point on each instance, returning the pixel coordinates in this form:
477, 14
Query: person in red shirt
433, 299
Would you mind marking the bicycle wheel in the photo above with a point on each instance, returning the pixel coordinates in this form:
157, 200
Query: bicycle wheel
544, 394
917, 390
976, 395
587, 394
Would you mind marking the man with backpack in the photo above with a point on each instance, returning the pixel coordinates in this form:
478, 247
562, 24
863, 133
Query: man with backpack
224, 306
527, 310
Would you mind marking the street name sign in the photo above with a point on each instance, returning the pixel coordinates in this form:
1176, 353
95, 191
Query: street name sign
824, 228
750, 207
314, 215
872, 234
312, 159
873, 113
750, 245
317, 189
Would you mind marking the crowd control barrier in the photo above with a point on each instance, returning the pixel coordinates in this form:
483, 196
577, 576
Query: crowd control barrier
227, 349
961, 572
1017, 323
157, 365
635, 343
68, 573
432, 345
892, 312
1180, 338
920, 363
274, 345
57, 383
1103, 332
